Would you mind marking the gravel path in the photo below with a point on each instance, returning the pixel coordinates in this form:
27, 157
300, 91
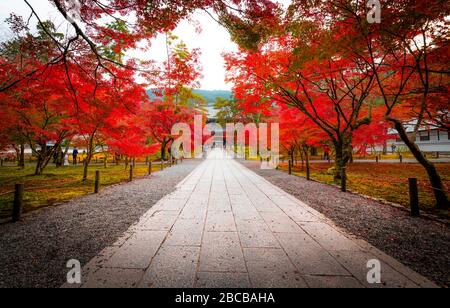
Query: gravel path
421, 244
34, 252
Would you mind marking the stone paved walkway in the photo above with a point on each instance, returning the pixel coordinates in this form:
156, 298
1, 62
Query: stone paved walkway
225, 226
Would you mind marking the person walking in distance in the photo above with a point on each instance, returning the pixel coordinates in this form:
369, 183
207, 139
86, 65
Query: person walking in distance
326, 155
75, 156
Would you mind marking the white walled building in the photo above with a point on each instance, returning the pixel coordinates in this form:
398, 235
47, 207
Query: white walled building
431, 140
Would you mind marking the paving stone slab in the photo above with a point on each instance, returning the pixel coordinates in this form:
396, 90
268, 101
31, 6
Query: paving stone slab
309, 257
219, 203
271, 268
160, 221
220, 221
194, 212
186, 232
256, 234
222, 252
301, 215
329, 237
281, 223
138, 251
172, 267
174, 204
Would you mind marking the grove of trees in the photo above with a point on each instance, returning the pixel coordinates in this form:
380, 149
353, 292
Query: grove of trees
352, 80
329, 76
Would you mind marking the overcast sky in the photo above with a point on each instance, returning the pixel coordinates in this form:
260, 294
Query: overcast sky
213, 40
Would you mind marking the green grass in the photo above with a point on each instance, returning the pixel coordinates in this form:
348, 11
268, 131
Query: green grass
383, 181
58, 185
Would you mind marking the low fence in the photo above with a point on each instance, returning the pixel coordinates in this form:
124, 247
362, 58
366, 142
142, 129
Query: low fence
413, 190
400, 158
20, 189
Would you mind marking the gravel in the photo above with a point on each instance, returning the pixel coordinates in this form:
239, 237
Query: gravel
35, 251
421, 244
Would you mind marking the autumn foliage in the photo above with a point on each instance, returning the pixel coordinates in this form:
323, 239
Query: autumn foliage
353, 80
63, 104
329, 76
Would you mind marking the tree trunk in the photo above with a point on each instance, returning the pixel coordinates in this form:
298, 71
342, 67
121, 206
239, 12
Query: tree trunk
442, 201
22, 156
339, 161
302, 157
88, 159
39, 166
343, 152
42, 162
105, 163
44, 155
43, 158
59, 158
17, 150
163, 150
308, 166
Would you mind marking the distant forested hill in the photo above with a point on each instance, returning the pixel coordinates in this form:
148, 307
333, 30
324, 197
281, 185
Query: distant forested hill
209, 95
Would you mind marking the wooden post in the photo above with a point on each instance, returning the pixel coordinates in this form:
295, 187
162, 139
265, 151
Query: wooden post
18, 202
308, 171
308, 167
149, 168
401, 159
1, 162
290, 167
131, 172
377, 159
414, 197
344, 180
97, 182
